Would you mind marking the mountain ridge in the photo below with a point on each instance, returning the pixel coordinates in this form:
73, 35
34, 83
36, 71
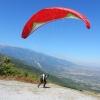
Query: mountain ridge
34, 58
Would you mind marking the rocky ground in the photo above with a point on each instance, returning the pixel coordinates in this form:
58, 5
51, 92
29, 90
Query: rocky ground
16, 90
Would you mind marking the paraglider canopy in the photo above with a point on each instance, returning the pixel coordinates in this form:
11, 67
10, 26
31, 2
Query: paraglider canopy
51, 14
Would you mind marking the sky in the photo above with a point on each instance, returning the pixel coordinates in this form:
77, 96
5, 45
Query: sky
67, 39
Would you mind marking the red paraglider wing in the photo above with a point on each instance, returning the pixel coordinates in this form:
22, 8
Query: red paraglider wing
50, 14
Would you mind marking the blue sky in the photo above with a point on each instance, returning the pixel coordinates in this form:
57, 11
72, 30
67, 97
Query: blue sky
67, 39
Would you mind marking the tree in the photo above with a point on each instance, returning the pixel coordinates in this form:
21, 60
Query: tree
7, 66
7, 60
0, 56
1, 59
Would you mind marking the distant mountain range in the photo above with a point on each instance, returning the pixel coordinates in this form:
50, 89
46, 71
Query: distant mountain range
84, 76
36, 58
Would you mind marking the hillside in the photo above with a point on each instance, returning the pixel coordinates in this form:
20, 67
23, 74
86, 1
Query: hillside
17, 70
32, 69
